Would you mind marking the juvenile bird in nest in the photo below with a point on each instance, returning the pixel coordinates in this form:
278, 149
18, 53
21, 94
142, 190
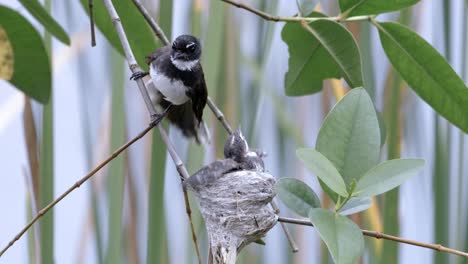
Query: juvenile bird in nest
237, 157
181, 93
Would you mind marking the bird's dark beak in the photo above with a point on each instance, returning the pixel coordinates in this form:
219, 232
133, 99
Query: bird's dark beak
178, 56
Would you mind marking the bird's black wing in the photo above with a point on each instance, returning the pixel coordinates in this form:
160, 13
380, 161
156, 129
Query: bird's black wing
199, 95
211, 173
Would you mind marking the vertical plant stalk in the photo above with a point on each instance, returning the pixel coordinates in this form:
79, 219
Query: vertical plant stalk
390, 208
30, 137
115, 180
462, 235
46, 168
134, 67
441, 176
157, 248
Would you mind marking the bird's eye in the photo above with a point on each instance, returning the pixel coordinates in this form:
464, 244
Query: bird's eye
174, 45
190, 47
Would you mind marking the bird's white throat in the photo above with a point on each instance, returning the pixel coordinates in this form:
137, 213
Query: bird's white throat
184, 65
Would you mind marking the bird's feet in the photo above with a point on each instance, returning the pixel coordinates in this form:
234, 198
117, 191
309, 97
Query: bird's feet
137, 75
157, 118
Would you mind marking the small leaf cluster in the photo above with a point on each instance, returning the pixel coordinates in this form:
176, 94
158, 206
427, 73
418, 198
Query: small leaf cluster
325, 49
346, 163
24, 59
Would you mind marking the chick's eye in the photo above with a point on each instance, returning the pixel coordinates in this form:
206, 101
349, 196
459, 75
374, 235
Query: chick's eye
174, 45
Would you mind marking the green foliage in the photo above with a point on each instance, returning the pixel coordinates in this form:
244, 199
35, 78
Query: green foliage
342, 236
139, 34
426, 71
328, 50
349, 145
297, 195
373, 7
39, 13
31, 71
350, 136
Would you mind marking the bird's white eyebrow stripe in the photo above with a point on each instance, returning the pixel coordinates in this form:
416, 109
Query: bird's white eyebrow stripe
189, 45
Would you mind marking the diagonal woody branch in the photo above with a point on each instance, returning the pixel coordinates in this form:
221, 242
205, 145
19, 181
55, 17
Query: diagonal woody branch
44, 210
134, 67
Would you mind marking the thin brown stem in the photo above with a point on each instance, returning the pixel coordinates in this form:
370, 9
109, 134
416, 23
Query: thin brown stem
291, 241
91, 22
152, 23
380, 235
134, 67
270, 17
44, 210
219, 115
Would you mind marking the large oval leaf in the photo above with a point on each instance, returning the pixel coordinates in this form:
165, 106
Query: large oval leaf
31, 66
139, 34
387, 175
426, 71
323, 169
350, 135
373, 7
297, 195
38, 11
327, 51
342, 236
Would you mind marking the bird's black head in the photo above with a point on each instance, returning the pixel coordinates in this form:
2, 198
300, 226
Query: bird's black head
186, 48
236, 146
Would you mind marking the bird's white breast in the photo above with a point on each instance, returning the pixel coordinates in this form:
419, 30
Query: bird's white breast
174, 91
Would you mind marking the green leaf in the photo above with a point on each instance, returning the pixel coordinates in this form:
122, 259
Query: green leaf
342, 236
139, 34
297, 195
350, 136
355, 205
426, 71
306, 6
373, 7
38, 12
387, 176
323, 169
327, 51
31, 70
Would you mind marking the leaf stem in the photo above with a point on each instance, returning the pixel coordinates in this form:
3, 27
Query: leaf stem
274, 18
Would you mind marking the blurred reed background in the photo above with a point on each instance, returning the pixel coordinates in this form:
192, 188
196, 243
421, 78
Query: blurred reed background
133, 210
